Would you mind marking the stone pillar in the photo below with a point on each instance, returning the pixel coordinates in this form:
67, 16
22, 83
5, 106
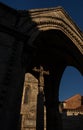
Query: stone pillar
40, 112
53, 117
54, 121
40, 98
12, 84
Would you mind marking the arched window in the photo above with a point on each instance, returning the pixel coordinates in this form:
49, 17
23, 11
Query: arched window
26, 95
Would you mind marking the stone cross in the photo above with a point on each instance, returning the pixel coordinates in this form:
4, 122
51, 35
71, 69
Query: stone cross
41, 72
40, 98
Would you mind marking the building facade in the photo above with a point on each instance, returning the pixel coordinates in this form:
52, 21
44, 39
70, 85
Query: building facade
29, 104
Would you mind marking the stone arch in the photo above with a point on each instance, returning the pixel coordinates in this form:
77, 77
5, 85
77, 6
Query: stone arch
44, 20
30, 28
54, 42
55, 22
58, 19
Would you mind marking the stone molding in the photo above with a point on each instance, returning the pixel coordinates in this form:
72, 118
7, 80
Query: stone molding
58, 19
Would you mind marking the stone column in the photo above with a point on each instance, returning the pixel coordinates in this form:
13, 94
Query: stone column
53, 117
40, 98
13, 86
40, 112
54, 121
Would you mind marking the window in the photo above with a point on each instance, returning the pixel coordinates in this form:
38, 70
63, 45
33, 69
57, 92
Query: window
26, 95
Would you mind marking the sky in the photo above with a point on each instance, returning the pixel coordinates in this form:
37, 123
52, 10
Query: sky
72, 80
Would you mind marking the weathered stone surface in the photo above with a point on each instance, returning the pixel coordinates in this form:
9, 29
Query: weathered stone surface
28, 110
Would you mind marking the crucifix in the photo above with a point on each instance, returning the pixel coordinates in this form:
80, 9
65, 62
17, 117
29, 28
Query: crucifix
40, 98
41, 72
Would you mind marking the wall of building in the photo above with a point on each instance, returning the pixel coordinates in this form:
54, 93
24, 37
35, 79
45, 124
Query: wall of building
29, 102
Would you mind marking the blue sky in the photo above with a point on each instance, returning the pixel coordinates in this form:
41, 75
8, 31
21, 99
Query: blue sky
72, 80
71, 83
73, 7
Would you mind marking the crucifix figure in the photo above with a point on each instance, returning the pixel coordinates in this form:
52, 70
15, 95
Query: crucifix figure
41, 77
40, 98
